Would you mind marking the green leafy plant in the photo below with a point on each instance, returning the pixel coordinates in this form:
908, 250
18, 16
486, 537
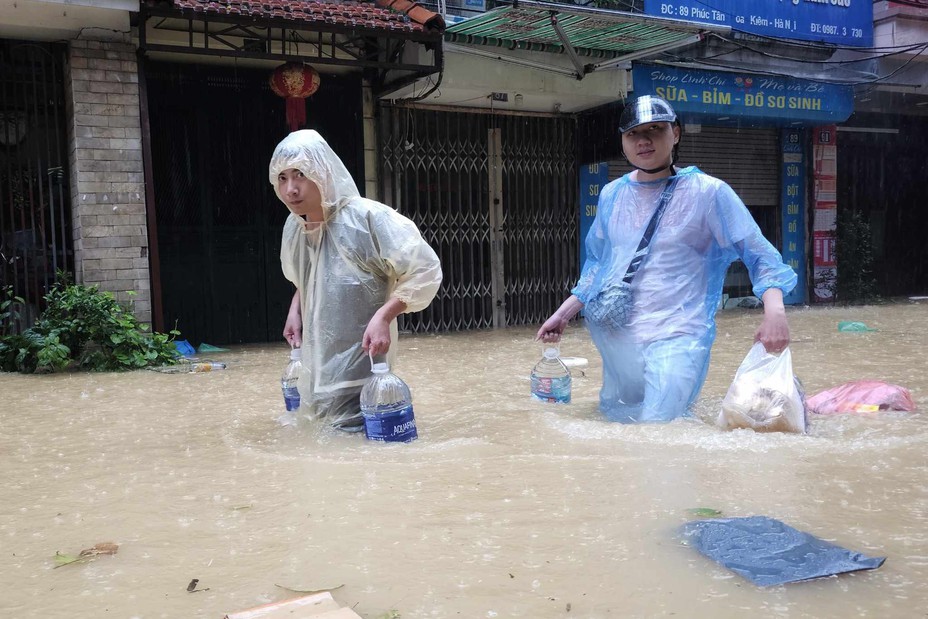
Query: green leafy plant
9, 310
854, 253
86, 328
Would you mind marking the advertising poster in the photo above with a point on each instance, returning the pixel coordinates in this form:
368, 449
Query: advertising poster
825, 169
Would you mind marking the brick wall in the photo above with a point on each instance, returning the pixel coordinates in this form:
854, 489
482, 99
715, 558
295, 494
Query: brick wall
107, 180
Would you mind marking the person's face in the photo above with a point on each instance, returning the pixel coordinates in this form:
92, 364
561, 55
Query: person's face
301, 194
650, 145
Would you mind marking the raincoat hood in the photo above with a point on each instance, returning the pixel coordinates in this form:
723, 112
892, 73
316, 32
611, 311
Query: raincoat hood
308, 152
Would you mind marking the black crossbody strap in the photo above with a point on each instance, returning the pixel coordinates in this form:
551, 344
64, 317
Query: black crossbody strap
642, 250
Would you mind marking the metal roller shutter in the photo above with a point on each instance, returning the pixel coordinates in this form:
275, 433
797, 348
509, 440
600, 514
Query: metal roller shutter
746, 159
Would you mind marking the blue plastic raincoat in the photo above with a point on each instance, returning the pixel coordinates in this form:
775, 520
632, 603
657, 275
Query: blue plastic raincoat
654, 367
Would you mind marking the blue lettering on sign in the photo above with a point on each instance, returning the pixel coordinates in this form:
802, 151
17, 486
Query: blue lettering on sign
793, 205
593, 177
772, 100
843, 22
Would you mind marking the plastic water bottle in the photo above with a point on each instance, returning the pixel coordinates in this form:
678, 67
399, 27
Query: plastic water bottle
206, 366
288, 382
387, 407
551, 378
188, 366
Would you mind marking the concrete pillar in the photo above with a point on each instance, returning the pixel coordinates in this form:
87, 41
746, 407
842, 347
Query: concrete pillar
371, 161
107, 180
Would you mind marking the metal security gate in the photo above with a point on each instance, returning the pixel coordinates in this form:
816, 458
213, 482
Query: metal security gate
495, 196
541, 217
35, 220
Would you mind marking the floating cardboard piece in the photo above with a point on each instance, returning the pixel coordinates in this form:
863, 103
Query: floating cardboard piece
315, 606
341, 613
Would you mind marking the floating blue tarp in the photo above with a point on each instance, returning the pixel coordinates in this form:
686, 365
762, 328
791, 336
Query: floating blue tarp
768, 552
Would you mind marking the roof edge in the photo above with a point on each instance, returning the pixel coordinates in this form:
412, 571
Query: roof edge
416, 12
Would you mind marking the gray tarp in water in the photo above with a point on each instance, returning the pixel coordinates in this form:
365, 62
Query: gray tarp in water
768, 552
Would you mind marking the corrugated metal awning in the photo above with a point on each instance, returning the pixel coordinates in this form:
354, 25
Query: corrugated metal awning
577, 31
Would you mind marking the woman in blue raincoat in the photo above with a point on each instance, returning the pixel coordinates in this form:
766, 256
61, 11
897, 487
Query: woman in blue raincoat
650, 304
356, 263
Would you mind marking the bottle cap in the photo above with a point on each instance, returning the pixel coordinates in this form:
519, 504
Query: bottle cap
552, 353
380, 368
295, 354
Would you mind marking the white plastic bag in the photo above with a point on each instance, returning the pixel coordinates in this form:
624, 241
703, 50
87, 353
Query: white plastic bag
765, 395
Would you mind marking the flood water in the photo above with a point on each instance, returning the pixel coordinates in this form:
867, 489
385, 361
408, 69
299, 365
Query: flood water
503, 508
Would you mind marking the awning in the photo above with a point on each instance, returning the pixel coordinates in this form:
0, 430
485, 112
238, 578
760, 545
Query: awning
373, 35
577, 31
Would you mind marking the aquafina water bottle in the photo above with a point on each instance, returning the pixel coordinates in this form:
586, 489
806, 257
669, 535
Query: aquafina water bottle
386, 404
289, 379
551, 378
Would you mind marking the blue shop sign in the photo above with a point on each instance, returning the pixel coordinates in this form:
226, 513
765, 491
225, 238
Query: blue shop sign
793, 201
842, 22
593, 177
712, 96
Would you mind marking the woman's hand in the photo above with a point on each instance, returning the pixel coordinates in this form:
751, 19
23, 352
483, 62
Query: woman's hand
773, 331
552, 329
554, 326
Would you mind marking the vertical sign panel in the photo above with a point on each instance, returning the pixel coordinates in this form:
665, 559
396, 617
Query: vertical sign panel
593, 177
824, 265
793, 201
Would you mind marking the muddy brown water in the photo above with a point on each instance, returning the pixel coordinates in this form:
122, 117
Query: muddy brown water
503, 508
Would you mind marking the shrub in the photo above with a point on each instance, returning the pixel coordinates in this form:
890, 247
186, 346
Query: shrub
9, 310
85, 328
854, 254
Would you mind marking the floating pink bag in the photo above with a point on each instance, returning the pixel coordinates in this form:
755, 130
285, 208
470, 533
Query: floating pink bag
861, 396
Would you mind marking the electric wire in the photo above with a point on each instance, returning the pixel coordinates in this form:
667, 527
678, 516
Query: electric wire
899, 50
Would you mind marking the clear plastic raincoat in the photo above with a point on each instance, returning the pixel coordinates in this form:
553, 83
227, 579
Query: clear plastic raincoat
363, 254
654, 366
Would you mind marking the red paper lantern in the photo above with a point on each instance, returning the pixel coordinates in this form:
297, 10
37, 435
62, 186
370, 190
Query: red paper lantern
295, 81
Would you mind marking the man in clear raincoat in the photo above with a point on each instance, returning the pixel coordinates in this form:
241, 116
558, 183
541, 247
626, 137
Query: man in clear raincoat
357, 264
655, 332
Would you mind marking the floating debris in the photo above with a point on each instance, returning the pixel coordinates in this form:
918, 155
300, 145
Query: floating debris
704, 512
87, 554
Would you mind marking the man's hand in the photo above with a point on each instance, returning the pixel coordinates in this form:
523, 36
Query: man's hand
293, 327
376, 340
